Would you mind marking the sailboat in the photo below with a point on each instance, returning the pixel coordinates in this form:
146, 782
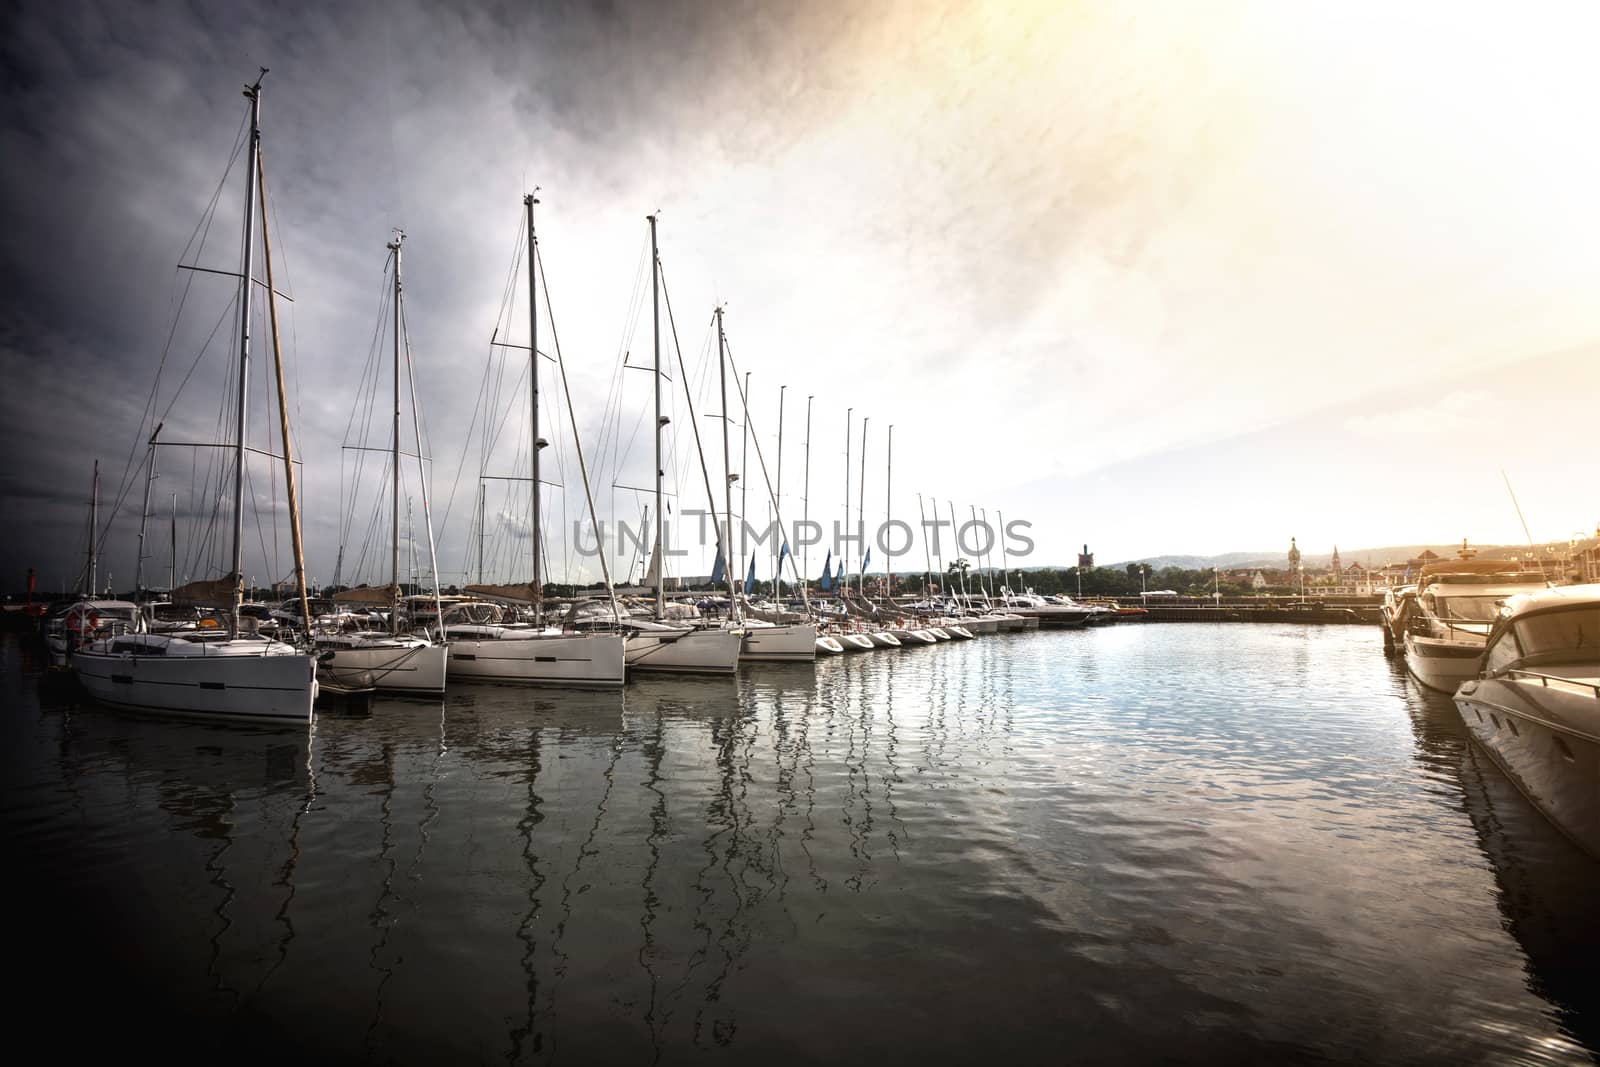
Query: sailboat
224, 674
488, 642
655, 644
392, 660
91, 616
764, 641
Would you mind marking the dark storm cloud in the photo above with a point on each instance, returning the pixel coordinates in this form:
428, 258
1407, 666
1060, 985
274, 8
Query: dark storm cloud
118, 120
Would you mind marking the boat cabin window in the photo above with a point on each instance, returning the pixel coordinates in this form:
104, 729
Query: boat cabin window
1502, 653
1561, 635
1466, 608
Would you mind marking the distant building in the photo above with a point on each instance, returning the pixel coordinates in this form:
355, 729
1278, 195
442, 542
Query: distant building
1294, 556
1335, 564
1085, 559
1258, 582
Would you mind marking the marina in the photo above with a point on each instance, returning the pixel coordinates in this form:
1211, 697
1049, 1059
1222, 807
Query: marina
568, 533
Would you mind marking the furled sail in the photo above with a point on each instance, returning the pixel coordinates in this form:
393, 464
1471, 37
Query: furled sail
368, 594
522, 592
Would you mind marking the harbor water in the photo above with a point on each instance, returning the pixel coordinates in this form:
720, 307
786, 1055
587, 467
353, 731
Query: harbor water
1176, 843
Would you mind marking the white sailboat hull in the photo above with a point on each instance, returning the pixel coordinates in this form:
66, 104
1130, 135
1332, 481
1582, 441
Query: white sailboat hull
596, 661
244, 680
788, 643
404, 665
855, 642
710, 651
829, 646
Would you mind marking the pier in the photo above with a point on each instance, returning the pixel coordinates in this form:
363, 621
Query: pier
1355, 609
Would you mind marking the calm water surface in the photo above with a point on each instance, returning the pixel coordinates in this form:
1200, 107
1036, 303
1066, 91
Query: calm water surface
1181, 843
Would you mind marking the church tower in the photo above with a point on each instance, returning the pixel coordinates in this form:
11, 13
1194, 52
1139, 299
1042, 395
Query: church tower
1294, 557
1337, 569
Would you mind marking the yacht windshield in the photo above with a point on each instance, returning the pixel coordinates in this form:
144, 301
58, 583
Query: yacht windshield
1467, 608
1574, 632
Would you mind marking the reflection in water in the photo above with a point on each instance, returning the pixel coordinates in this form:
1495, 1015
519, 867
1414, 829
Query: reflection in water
1546, 885
1142, 843
531, 818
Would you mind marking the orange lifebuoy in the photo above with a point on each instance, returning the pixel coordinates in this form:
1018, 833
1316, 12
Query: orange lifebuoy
207, 624
83, 622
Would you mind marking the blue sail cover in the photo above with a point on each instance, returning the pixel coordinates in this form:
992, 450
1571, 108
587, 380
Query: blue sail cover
826, 584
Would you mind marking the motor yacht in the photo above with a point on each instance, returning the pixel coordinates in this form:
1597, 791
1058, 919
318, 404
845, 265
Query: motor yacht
1535, 706
1456, 603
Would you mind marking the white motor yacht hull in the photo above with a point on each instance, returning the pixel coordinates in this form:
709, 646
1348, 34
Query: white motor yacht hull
709, 651
244, 680
787, 643
596, 661
1545, 735
402, 665
1441, 664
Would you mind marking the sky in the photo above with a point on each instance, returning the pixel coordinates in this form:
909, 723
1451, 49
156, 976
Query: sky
1158, 278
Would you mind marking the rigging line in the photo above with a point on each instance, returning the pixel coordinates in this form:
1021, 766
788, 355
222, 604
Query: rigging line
680, 458
256, 514
566, 389
367, 395
744, 404
122, 496
694, 425
282, 258
202, 228
613, 407
365, 403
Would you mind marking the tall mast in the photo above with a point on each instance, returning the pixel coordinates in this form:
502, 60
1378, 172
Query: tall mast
888, 517
481, 531
535, 441
861, 508
253, 94
655, 312
927, 555
845, 545
694, 426
777, 548
394, 459
283, 406
172, 559
422, 484
94, 532
981, 590
744, 469
961, 575
1005, 561
727, 467
144, 516
805, 496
